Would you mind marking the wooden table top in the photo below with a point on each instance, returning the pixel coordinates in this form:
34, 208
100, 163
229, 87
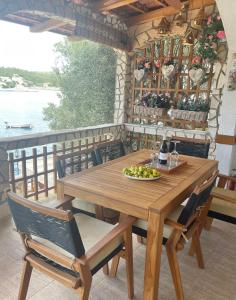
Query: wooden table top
106, 185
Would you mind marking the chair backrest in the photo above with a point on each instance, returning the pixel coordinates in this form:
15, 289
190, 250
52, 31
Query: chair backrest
191, 147
197, 199
109, 151
72, 162
56, 226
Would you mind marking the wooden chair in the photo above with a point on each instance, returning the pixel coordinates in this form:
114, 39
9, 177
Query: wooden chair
70, 163
223, 206
191, 147
181, 225
105, 152
69, 248
109, 151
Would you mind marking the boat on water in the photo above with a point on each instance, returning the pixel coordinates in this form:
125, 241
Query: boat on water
23, 126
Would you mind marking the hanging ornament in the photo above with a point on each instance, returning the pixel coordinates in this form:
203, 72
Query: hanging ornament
189, 37
179, 20
164, 26
138, 74
200, 19
196, 75
168, 71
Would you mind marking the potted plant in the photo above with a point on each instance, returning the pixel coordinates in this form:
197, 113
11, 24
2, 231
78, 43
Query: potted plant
152, 104
191, 109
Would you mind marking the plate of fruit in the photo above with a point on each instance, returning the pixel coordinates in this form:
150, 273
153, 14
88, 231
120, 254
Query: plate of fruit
142, 173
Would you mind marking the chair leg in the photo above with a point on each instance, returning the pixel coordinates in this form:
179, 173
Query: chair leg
86, 282
198, 250
141, 240
106, 269
191, 250
175, 272
208, 223
114, 265
84, 293
129, 262
25, 279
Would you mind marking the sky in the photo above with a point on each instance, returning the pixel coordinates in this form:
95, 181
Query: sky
25, 50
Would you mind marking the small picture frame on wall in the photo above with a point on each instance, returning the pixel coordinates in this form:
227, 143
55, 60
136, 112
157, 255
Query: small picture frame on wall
231, 85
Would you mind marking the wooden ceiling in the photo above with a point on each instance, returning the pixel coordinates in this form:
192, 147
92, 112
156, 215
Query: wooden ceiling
135, 12
132, 12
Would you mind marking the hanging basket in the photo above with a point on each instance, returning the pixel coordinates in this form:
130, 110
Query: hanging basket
149, 111
198, 116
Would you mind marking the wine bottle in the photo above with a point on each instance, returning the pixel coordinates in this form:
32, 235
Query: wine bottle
163, 156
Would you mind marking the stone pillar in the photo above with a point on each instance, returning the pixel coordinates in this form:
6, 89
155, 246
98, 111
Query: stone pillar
4, 182
123, 87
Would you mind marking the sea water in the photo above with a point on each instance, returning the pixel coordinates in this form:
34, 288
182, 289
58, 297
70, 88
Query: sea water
25, 107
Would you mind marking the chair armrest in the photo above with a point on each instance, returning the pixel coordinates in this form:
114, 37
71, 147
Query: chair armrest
224, 180
58, 203
175, 225
227, 177
223, 194
125, 224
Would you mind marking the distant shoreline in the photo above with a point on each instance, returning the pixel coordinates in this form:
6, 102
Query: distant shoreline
30, 89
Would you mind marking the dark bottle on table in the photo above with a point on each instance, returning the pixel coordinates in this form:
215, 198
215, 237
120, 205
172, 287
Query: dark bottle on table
163, 155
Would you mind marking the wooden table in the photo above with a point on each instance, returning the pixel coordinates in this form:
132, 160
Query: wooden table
105, 185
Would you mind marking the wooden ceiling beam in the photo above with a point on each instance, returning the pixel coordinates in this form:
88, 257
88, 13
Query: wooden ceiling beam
106, 5
195, 4
167, 11
174, 3
136, 8
47, 25
152, 15
161, 3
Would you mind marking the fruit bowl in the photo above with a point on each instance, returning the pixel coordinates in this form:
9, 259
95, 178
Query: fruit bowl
144, 173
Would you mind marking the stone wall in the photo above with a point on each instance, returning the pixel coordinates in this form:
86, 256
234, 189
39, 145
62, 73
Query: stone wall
123, 86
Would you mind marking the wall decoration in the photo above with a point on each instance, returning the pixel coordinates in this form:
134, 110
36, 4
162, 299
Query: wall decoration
231, 85
169, 74
139, 74
168, 71
196, 73
164, 26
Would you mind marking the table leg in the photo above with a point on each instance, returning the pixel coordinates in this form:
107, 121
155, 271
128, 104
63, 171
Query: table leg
153, 255
66, 202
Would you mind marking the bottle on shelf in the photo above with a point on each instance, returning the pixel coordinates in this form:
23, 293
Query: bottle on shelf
163, 155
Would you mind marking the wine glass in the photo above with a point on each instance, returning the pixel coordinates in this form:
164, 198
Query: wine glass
154, 157
174, 155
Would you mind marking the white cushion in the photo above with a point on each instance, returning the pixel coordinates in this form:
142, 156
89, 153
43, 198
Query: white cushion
223, 207
167, 229
84, 205
92, 231
90, 207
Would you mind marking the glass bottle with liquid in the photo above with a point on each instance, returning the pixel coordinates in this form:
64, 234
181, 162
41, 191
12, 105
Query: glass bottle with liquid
163, 155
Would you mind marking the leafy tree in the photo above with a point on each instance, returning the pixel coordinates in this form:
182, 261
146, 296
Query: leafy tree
86, 78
